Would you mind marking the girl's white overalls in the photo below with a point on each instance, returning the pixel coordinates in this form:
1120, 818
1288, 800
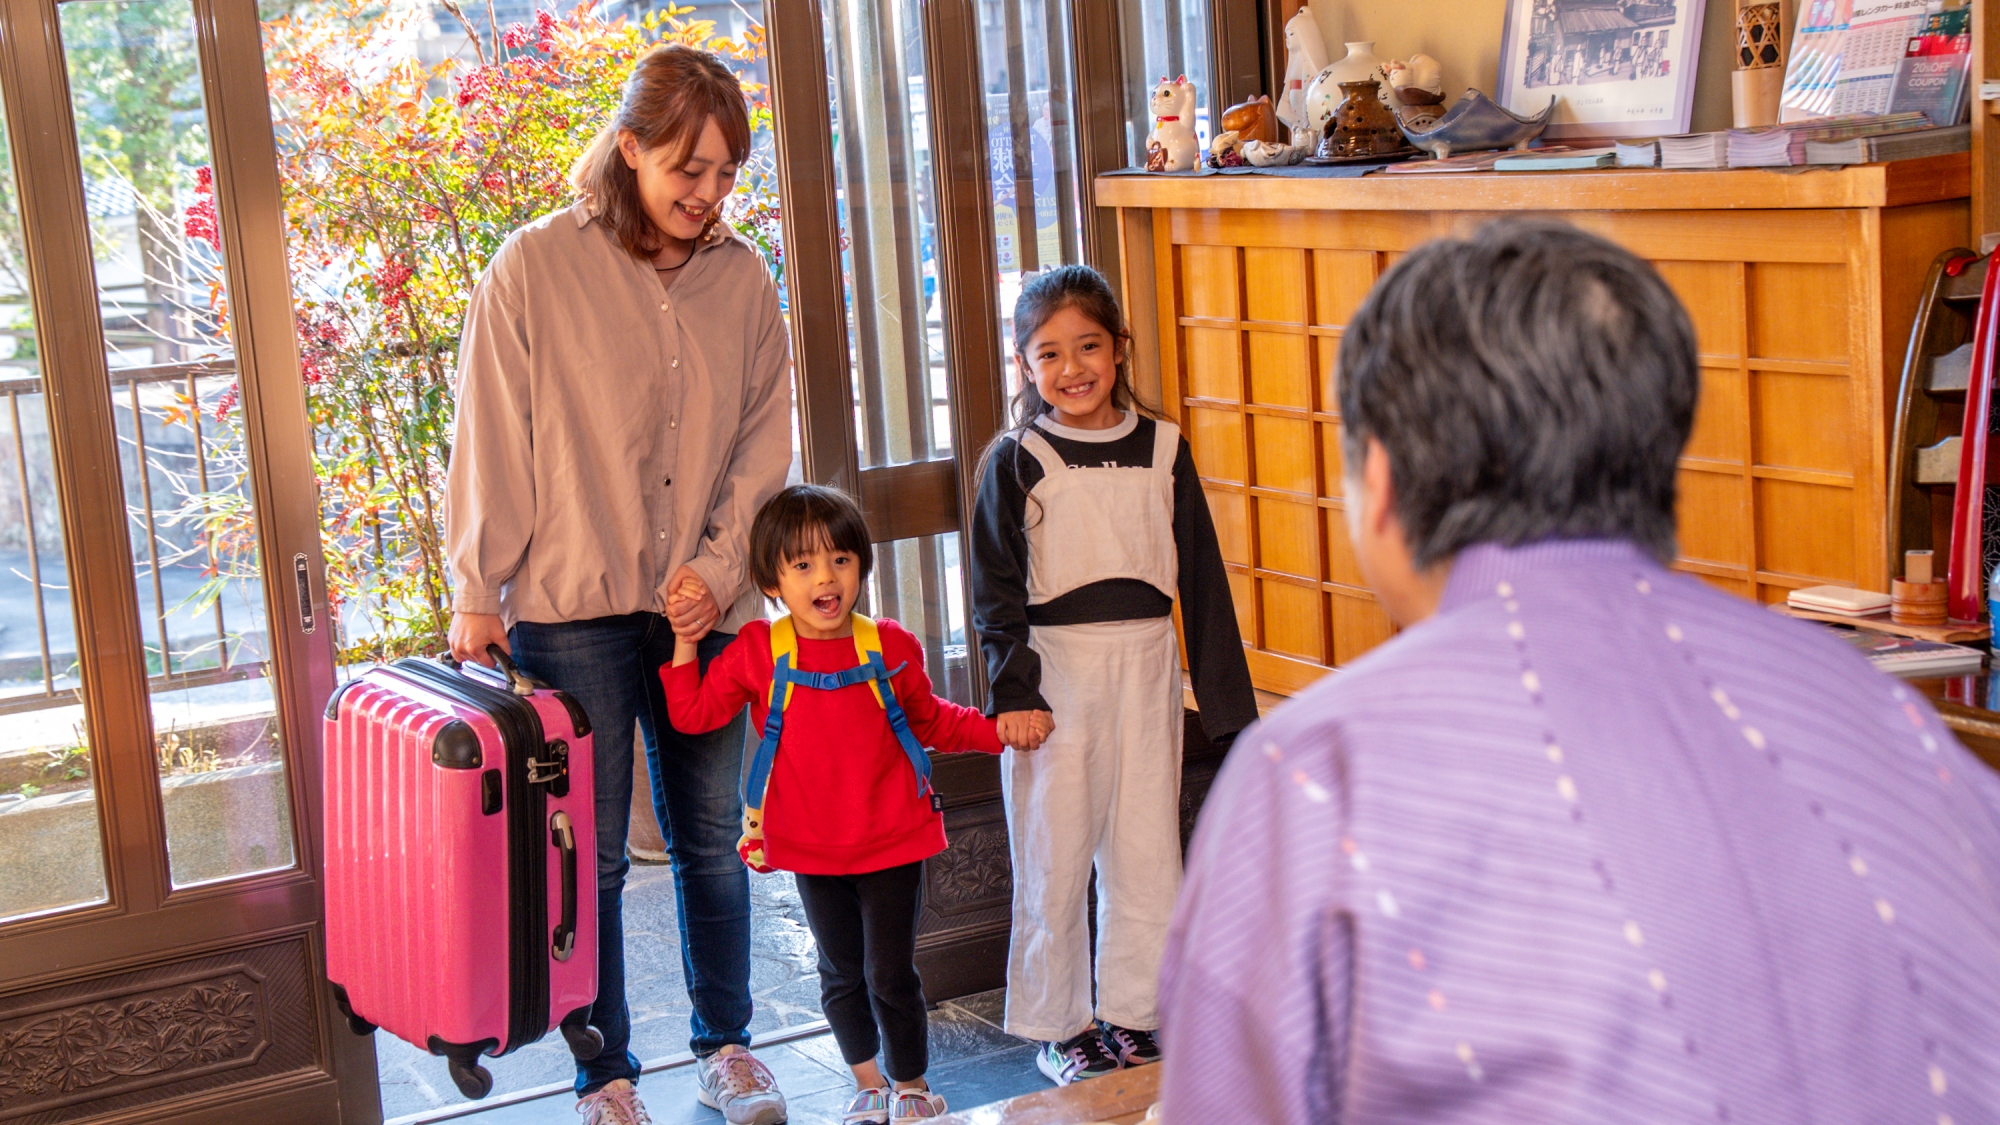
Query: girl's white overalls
1105, 787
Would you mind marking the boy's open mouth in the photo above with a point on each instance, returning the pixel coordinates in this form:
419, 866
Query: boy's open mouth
828, 604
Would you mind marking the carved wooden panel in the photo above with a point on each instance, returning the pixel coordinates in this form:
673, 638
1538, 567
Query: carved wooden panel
89, 1047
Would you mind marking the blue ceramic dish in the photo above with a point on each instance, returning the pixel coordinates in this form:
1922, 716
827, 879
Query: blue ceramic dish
1477, 122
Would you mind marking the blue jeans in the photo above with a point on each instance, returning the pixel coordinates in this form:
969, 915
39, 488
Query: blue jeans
611, 665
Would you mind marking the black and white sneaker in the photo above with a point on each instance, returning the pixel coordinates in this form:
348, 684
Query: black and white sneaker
1076, 1059
1129, 1047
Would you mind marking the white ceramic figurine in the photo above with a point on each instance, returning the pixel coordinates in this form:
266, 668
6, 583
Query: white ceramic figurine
1172, 145
1305, 57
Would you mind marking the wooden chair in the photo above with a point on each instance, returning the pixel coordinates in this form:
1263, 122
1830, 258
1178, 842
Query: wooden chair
1930, 408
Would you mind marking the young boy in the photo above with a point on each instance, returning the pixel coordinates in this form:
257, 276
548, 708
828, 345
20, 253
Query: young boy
838, 791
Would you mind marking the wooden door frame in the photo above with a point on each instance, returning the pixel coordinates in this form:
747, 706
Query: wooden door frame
146, 936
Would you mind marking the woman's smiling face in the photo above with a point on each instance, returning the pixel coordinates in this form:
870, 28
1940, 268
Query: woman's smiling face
680, 199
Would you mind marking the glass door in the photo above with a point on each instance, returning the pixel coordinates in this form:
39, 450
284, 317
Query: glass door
163, 633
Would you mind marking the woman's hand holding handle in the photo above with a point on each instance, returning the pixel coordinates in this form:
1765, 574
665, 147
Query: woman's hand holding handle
470, 633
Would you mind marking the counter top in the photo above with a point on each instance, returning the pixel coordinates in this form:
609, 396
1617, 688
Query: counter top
1895, 184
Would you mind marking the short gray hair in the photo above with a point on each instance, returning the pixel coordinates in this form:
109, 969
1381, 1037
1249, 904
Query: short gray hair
1529, 382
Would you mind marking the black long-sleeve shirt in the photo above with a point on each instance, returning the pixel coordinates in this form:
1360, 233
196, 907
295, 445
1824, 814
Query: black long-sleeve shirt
999, 559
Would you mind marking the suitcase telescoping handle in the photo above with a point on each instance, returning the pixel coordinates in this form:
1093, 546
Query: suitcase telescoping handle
516, 680
519, 682
563, 835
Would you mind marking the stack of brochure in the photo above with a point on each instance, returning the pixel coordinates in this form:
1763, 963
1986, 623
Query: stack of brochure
1637, 154
1907, 656
1780, 146
1695, 150
1891, 146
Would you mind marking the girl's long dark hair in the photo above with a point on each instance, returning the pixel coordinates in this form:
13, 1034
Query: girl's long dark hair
1042, 296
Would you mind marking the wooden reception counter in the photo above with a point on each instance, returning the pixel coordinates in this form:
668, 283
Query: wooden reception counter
1801, 286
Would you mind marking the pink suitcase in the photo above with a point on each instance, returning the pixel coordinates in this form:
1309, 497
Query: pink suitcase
461, 861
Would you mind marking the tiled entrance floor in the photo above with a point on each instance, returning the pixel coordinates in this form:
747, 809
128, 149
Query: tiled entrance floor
973, 1063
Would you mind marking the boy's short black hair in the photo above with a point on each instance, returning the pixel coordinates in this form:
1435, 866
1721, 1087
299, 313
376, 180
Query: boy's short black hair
798, 520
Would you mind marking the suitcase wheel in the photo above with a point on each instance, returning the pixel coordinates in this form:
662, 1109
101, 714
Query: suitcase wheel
585, 1042
472, 1080
355, 1023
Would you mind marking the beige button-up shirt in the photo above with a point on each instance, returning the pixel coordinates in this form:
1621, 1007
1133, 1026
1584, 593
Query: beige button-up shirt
608, 430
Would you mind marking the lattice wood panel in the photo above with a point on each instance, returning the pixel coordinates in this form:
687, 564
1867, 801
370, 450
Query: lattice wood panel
1796, 315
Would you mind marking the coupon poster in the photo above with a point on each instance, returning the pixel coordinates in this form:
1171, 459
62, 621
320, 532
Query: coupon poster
1844, 56
1619, 68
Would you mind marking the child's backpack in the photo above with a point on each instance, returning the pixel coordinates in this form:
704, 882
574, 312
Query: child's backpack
872, 670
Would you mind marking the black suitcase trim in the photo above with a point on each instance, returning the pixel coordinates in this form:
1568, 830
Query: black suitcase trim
527, 843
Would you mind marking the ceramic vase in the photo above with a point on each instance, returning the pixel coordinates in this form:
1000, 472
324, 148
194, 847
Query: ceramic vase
1359, 65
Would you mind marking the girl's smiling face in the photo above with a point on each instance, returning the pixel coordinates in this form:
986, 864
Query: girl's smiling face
1073, 362
819, 589
680, 199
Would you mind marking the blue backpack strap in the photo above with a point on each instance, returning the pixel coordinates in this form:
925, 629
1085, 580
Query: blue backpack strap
900, 722
784, 653
868, 646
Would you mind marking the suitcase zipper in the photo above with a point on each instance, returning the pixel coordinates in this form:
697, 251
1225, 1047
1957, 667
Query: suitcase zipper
528, 778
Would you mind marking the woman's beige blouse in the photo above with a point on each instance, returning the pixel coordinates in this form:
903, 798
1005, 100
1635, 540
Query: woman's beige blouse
607, 431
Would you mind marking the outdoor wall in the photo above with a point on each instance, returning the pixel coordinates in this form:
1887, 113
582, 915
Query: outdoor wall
1464, 36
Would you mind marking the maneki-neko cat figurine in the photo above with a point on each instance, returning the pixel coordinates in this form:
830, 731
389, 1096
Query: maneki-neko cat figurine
1172, 145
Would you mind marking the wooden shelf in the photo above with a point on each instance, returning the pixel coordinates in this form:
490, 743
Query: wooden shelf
1896, 184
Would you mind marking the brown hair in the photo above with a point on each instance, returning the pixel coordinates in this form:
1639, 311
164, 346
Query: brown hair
672, 93
801, 519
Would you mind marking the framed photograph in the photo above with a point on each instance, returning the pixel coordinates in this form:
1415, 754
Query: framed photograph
1622, 68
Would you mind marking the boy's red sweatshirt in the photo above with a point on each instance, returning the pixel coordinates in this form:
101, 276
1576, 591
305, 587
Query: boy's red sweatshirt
842, 798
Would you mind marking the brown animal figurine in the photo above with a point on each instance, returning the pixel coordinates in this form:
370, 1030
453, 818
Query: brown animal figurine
1253, 120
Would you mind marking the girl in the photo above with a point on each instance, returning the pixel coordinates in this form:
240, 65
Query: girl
838, 791
1090, 520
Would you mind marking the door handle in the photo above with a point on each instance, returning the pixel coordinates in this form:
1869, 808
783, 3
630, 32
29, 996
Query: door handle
302, 577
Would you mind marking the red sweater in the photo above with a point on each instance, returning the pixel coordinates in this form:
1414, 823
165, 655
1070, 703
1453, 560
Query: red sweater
842, 799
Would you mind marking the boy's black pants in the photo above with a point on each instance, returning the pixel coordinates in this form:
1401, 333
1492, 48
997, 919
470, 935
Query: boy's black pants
866, 927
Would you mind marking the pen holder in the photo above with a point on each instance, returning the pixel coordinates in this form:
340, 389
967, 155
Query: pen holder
1917, 603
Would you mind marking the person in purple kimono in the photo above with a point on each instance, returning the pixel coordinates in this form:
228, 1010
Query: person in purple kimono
1591, 840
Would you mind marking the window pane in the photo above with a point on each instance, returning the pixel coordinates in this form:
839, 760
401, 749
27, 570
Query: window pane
135, 81
918, 582
1164, 39
51, 855
1024, 53
882, 161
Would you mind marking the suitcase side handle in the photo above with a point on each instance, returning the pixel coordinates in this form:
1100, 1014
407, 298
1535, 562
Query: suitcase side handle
563, 835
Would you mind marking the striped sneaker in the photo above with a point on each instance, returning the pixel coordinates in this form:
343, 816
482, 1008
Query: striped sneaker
913, 1107
1075, 1059
1130, 1047
869, 1107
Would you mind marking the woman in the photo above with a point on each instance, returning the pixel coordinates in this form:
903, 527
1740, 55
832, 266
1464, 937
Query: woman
623, 411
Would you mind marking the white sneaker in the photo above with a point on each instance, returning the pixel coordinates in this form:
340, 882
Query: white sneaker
869, 1107
913, 1107
733, 1081
616, 1103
